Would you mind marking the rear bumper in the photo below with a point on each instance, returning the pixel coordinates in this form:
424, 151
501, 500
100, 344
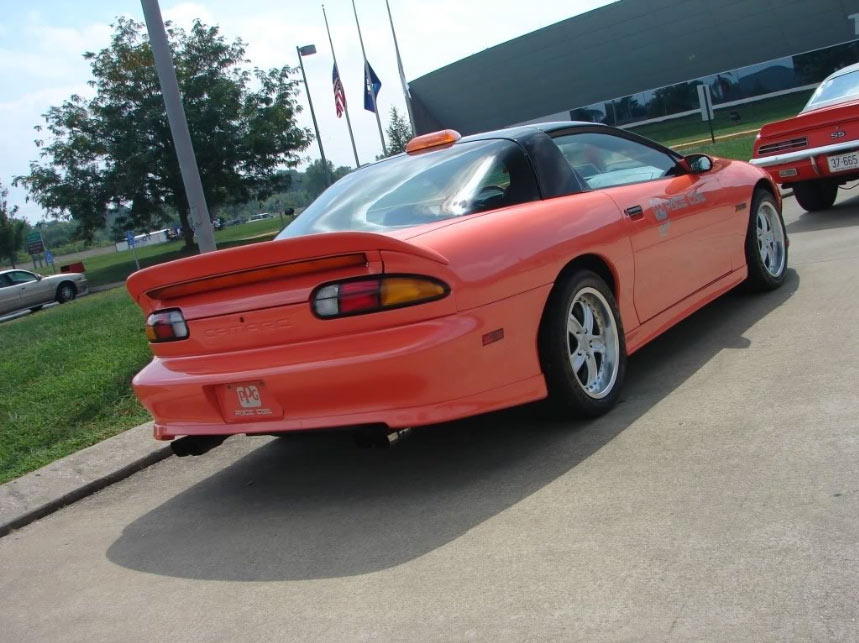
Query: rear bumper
805, 165
422, 373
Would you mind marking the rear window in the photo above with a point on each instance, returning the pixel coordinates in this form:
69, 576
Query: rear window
410, 190
835, 89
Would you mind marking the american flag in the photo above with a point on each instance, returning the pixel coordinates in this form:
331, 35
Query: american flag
339, 93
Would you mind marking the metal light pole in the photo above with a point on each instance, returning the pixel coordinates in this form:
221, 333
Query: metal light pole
309, 50
199, 214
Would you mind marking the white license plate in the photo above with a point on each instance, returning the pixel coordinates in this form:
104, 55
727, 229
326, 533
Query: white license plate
843, 162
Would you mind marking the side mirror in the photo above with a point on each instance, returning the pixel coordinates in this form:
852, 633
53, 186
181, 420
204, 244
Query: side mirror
698, 163
289, 211
39, 277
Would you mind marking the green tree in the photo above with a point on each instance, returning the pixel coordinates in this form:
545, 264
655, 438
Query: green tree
313, 181
399, 132
115, 150
11, 229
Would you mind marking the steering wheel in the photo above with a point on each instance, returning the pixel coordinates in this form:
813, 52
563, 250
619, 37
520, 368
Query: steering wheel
489, 192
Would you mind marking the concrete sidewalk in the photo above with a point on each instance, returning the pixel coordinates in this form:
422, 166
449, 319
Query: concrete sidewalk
78, 475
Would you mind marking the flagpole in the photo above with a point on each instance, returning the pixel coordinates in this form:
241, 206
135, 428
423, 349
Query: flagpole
345, 103
367, 78
405, 85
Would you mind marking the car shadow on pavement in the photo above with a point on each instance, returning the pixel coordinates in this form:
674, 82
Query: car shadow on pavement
841, 215
316, 507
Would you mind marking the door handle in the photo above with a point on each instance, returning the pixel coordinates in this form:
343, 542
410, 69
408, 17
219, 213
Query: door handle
635, 212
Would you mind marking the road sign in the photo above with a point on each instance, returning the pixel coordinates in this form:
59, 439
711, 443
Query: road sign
49, 257
705, 100
707, 113
34, 243
129, 238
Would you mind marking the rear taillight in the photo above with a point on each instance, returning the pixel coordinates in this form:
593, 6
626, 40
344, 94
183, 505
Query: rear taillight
166, 326
783, 146
370, 295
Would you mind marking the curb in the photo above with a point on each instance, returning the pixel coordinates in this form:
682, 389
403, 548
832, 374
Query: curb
116, 284
42, 492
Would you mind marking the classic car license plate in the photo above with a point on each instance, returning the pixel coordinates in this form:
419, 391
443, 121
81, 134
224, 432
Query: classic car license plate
247, 401
843, 162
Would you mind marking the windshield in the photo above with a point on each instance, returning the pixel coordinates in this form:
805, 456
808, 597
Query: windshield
835, 89
412, 189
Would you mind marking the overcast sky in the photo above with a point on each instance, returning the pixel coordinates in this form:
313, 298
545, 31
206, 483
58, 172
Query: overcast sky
41, 44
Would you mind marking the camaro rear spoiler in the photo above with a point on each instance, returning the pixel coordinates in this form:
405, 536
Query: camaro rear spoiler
267, 254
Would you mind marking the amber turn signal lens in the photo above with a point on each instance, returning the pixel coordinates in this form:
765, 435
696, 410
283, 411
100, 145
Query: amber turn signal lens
397, 291
444, 138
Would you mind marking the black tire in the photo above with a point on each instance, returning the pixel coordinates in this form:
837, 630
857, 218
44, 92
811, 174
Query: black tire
557, 352
815, 195
761, 278
35, 309
66, 291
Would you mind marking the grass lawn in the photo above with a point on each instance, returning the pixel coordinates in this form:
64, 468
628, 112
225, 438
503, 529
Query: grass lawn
65, 376
116, 266
739, 147
64, 390
753, 116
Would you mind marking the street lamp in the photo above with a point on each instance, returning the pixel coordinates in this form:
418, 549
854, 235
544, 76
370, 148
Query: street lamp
309, 50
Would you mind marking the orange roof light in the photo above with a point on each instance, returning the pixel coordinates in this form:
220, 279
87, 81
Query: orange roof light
444, 138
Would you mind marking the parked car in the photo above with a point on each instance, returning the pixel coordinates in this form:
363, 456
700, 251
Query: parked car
466, 275
262, 216
818, 150
22, 289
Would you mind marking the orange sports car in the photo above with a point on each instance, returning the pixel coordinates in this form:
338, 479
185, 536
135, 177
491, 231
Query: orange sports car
818, 150
466, 275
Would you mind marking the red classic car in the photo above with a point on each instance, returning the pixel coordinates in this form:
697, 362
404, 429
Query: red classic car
818, 150
466, 275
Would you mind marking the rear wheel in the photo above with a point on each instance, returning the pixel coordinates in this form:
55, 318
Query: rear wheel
815, 195
766, 243
66, 292
582, 347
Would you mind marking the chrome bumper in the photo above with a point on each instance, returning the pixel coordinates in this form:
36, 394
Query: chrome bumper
801, 155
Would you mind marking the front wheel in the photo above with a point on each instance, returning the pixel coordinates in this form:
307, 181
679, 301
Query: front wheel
766, 243
582, 347
66, 292
815, 195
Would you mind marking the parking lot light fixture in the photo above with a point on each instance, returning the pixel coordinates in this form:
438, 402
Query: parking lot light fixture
309, 50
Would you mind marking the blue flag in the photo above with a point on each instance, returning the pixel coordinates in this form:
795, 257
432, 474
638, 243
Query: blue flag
372, 85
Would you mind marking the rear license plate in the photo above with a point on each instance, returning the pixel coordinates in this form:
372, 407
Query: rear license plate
247, 401
843, 162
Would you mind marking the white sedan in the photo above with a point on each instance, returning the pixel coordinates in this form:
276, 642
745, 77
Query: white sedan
22, 289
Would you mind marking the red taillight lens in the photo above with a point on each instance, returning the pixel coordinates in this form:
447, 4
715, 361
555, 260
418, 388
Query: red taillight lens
166, 326
360, 296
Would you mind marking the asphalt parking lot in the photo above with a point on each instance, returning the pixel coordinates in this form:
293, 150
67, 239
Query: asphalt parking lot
719, 501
